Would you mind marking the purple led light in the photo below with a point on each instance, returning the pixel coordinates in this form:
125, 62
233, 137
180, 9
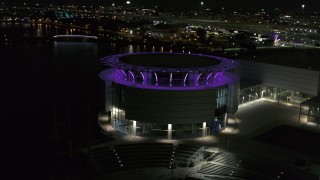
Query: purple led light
198, 78
276, 38
185, 78
211, 75
208, 77
226, 78
142, 77
214, 78
114, 61
125, 75
155, 74
132, 75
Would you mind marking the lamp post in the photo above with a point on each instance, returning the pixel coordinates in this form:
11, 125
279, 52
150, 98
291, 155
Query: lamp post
287, 40
202, 3
302, 6
128, 4
293, 42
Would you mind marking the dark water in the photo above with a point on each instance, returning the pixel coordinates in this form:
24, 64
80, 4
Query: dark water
58, 81
47, 85
51, 88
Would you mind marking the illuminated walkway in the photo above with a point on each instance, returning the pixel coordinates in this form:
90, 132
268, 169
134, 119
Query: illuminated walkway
124, 139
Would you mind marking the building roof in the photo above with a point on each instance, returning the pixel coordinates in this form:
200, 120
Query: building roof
305, 58
246, 83
315, 101
169, 62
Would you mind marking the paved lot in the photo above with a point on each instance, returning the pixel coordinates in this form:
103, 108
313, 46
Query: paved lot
260, 115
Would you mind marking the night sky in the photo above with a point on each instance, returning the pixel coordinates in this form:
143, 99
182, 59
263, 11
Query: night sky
311, 5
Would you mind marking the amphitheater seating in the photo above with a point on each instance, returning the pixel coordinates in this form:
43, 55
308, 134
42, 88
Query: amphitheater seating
105, 159
144, 154
215, 169
218, 178
229, 164
183, 152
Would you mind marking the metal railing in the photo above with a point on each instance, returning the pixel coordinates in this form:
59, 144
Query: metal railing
197, 155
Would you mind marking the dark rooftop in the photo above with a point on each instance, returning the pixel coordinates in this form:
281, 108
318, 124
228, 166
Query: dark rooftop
170, 60
306, 58
315, 101
286, 136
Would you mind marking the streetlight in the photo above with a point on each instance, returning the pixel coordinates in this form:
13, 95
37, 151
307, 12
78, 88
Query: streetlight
293, 41
128, 2
302, 6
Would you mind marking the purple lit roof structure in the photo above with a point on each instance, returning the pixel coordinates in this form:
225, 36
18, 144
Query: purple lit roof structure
169, 71
168, 62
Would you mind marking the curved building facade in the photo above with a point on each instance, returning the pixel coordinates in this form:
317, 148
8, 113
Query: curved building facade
169, 94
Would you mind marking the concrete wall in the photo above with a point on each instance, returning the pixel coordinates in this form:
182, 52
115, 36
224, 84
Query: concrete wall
296, 79
176, 107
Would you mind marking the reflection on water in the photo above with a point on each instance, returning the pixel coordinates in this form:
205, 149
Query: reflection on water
42, 29
60, 79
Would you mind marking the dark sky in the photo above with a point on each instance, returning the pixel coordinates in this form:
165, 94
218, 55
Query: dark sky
311, 5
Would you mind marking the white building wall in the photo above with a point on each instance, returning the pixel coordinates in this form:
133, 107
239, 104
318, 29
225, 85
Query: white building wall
296, 79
